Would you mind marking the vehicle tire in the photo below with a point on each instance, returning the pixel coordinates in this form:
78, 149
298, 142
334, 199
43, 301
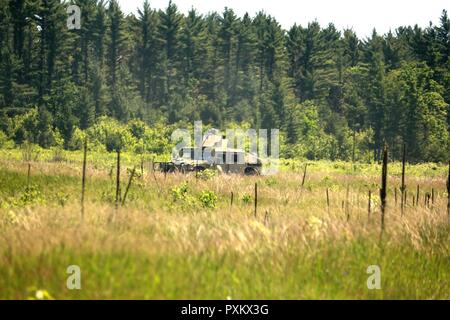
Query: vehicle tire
250, 171
172, 169
198, 169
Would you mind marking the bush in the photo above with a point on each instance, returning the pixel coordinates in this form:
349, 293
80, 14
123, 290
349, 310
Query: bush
180, 192
246, 198
208, 199
5, 143
137, 128
206, 174
35, 126
113, 135
30, 151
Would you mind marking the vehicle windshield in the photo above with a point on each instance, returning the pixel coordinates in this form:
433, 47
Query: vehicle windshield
189, 153
230, 157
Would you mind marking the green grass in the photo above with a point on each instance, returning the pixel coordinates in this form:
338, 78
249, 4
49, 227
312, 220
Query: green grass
336, 271
165, 246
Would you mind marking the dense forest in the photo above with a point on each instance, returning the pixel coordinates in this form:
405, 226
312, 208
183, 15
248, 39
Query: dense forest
332, 94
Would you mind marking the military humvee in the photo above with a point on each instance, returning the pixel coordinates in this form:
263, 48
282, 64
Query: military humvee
218, 157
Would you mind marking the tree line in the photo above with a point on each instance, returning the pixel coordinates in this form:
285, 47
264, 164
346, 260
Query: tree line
332, 94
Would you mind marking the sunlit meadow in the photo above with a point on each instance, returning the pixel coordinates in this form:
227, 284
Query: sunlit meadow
199, 237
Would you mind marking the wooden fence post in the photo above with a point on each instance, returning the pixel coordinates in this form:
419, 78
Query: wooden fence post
432, 197
347, 204
83, 179
403, 187
383, 190
328, 201
118, 180
304, 175
133, 172
448, 193
417, 195
28, 177
256, 199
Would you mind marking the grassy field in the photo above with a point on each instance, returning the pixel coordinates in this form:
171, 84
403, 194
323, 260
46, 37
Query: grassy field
179, 237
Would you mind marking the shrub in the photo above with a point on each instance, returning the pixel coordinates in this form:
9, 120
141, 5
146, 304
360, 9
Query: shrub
112, 135
30, 151
246, 198
5, 143
206, 174
208, 199
137, 128
76, 142
35, 126
180, 192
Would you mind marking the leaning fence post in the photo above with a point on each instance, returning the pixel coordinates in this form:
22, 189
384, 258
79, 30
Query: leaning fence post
133, 172
369, 208
406, 197
83, 179
304, 175
266, 219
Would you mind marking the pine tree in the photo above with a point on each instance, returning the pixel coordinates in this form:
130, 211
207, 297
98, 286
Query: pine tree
164, 66
193, 42
98, 33
116, 41
351, 46
51, 20
147, 51
169, 33
228, 22
375, 97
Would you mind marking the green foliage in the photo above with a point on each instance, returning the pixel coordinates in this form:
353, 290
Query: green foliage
35, 126
332, 95
182, 198
206, 174
62, 198
246, 198
30, 151
180, 192
5, 143
208, 199
31, 195
112, 135
421, 120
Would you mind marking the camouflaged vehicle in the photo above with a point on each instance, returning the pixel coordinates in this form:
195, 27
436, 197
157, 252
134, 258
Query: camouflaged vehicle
218, 157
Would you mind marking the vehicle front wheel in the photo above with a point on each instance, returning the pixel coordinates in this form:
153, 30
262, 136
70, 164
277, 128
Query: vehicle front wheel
198, 169
249, 171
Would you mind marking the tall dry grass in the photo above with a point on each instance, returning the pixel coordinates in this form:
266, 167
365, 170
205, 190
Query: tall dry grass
162, 247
